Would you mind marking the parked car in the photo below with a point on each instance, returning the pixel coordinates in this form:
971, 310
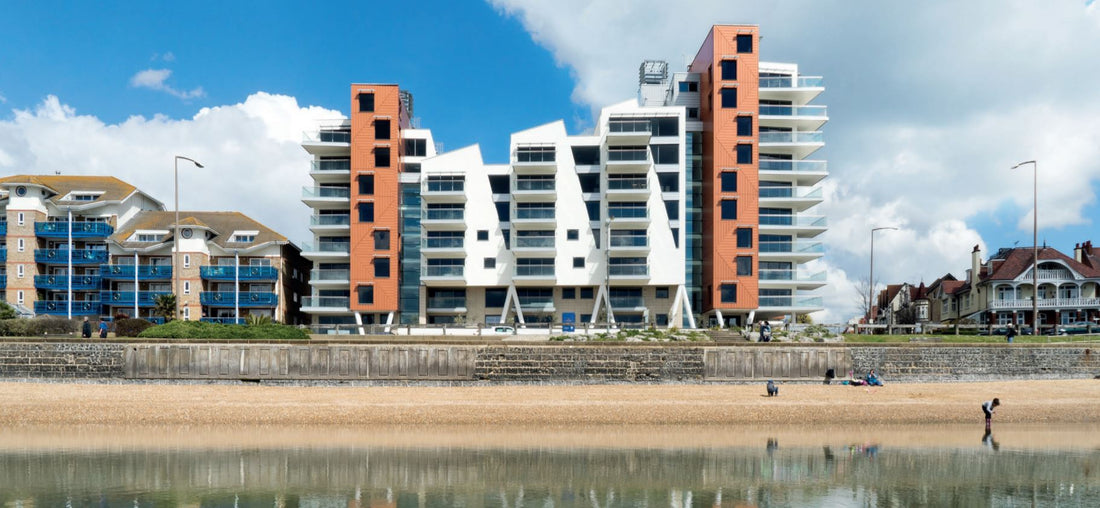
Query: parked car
1003, 330
1077, 328
504, 330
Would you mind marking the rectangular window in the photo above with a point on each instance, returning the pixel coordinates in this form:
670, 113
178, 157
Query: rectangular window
416, 147
187, 313
744, 238
729, 70
366, 185
382, 268
366, 294
744, 126
499, 184
665, 126
662, 319
483, 235
20, 245
381, 129
728, 293
744, 154
572, 234
186, 287
744, 265
382, 240
490, 262
665, 154
689, 86
19, 272
729, 209
187, 261
19, 297
578, 262
366, 211
587, 294
693, 113
381, 157
744, 43
19, 218
568, 293
729, 97
729, 181
662, 293
366, 102
672, 208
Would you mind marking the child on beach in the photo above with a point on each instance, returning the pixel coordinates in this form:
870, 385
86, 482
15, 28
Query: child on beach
988, 407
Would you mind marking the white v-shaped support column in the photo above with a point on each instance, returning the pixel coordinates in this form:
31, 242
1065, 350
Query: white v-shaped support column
684, 303
510, 300
602, 296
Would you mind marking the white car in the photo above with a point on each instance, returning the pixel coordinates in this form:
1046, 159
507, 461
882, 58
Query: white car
504, 330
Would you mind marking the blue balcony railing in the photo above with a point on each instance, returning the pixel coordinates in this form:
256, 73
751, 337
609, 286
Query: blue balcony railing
61, 256
61, 307
247, 273
3, 280
3, 228
60, 229
61, 282
247, 299
144, 272
126, 298
3, 254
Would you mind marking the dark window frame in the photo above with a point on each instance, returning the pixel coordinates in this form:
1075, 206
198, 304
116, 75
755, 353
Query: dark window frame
366, 102
728, 97
382, 157
729, 177
727, 293
728, 209
382, 126
379, 263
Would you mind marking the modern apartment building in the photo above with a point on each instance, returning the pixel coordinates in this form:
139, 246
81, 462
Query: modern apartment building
97, 246
688, 201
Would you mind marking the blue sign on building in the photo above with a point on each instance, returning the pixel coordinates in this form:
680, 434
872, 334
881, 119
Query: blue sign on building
568, 322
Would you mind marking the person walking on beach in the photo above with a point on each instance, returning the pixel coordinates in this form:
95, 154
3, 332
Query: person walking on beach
86, 329
102, 329
988, 407
765, 332
1010, 333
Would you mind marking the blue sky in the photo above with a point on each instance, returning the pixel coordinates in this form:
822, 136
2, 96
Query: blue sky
929, 104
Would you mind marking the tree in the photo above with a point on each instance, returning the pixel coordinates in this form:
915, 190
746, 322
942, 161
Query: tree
258, 320
6, 311
804, 319
165, 306
863, 298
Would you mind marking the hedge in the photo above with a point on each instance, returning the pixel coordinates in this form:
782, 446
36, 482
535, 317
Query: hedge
201, 330
130, 327
42, 325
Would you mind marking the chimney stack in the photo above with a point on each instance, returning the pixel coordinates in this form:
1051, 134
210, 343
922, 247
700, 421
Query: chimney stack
975, 266
1077, 252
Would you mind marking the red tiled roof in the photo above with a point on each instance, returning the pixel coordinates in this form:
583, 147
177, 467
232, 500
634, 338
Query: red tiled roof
1020, 260
951, 286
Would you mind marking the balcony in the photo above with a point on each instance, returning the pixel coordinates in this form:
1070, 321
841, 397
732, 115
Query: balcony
61, 256
540, 304
445, 190
246, 299
798, 144
541, 272
1051, 275
443, 275
81, 230
61, 282
800, 89
793, 224
629, 131
330, 223
630, 160
3, 228
795, 198
443, 246
1045, 303
805, 172
534, 218
803, 118
622, 244
245, 273
326, 197
627, 302
61, 308
535, 189
793, 82
628, 272
330, 170
3, 280
3, 254
333, 137
331, 277
534, 244
326, 250
535, 158
325, 304
126, 298
443, 218
797, 250
446, 304
799, 303
627, 215
144, 272
636, 187
791, 278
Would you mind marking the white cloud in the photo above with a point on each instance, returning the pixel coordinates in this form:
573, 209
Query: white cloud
154, 79
3, 99
930, 105
251, 150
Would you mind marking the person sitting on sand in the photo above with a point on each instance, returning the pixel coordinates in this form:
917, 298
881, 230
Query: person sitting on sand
873, 379
853, 380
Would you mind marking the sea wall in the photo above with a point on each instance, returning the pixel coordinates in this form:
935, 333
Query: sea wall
541, 363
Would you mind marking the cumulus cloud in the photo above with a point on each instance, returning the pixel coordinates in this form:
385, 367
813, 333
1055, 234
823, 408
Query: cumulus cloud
154, 79
930, 105
251, 150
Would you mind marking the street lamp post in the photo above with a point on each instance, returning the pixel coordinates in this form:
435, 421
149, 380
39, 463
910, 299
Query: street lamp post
871, 276
176, 234
1034, 246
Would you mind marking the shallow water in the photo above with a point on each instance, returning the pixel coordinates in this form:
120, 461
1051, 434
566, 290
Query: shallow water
550, 467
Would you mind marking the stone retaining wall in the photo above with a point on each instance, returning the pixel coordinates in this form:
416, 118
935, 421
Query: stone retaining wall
549, 363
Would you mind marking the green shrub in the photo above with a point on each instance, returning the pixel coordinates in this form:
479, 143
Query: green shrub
6, 311
15, 327
127, 327
50, 325
200, 330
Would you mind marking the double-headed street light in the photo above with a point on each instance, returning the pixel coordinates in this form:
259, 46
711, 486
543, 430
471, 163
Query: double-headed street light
1034, 247
176, 235
871, 280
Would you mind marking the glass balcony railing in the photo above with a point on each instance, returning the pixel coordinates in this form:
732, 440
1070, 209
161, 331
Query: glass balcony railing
326, 192
144, 272
618, 126
126, 298
329, 275
628, 155
330, 220
534, 213
536, 304
535, 154
443, 271
444, 214
534, 185
627, 301
331, 165
62, 308
242, 299
60, 229
791, 275
326, 302
328, 136
627, 184
628, 270
793, 247
61, 256
790, 301
786, 165
244, 273
813, 221
534, 270
444, 186
456, 242
534, 242
792, 137
61, 282
629, 241
793, 82
446, 302
327, 247
772, 110
790, 192
627, 212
